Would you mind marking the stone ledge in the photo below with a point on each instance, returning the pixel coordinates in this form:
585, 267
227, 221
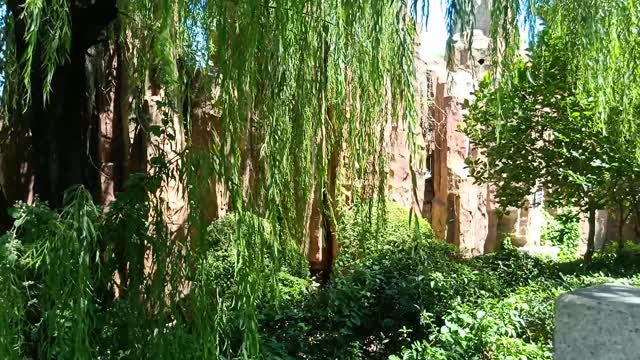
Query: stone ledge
600, 322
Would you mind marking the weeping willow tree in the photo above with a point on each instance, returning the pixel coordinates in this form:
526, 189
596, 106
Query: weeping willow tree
276, 102
103, 93
601, 36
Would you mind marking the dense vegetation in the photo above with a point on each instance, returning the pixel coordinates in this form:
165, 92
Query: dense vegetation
412, 297
149, 109
539, 130
396, 292
122, 121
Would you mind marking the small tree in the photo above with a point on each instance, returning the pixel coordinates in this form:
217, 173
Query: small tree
534, 129
624, 194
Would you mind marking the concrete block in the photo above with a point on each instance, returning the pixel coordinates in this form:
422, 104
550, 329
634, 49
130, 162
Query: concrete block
600, 322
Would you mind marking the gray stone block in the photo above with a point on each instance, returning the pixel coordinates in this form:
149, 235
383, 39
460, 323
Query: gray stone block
600, 322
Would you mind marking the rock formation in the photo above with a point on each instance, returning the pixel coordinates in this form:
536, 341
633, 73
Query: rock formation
461, 212
600, 322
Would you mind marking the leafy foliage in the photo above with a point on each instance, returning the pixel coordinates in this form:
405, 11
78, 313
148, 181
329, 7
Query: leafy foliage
539, 130
408, 295
543, 134
50, 261
599, 39
301, 79
434, 304
562, 230
345, 320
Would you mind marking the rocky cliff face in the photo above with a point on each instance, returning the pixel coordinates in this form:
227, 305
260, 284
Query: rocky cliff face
400, 187
461, 212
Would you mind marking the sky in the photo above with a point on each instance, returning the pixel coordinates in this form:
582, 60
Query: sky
433, 41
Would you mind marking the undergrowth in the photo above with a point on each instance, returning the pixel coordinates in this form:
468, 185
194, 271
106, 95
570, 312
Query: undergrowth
411, 297
562, 230
396, 293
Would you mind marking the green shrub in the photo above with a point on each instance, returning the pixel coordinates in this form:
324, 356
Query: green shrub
376, 289
396, 290
562, 230
407, 286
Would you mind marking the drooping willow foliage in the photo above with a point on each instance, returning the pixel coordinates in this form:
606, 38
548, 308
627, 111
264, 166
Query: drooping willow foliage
598, 44
602, 36
307, 80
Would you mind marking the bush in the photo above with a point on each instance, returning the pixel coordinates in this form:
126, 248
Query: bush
396, 290
562, 230
518, 325
376, 289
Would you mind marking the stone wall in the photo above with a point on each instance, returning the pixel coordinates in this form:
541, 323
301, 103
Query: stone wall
399, 181
630, 228
600, 231
460, 211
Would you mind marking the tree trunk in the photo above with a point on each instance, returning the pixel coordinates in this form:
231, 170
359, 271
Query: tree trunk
621, 221
591, 247
16, 170
65, 129
636, 221
323, 242
112, 109
5, 219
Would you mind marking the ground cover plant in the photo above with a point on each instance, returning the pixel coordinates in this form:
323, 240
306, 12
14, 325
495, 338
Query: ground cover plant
396, 292
413, 297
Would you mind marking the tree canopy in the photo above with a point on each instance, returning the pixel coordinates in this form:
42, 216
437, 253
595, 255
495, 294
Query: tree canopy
540, 127
296, 86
